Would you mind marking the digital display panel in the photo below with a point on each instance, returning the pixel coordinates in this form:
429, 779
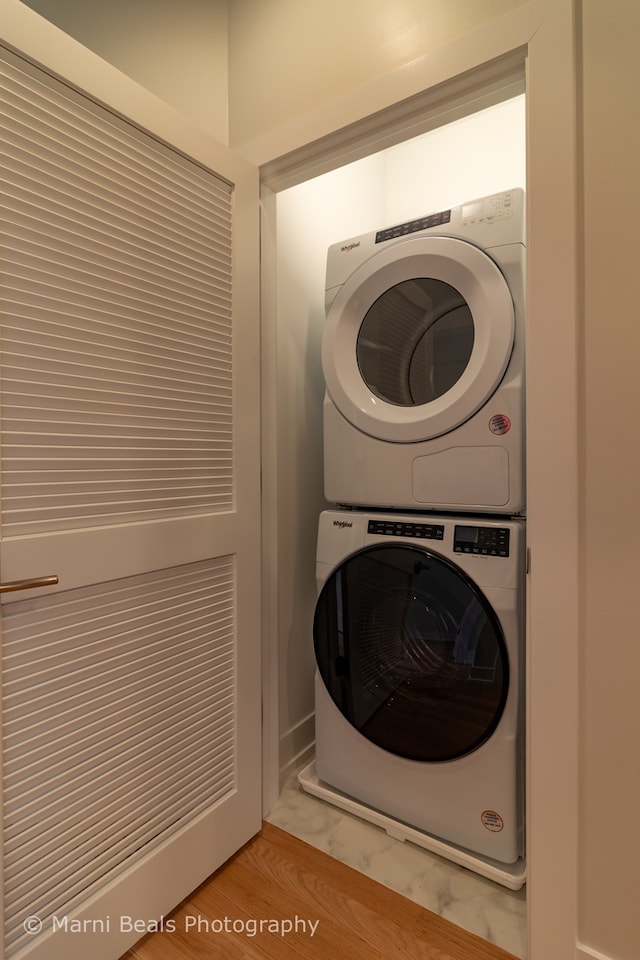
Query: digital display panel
467, 534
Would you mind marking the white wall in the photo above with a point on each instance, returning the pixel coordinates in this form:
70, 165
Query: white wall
178, 51
479, 155
288, 57
308, 217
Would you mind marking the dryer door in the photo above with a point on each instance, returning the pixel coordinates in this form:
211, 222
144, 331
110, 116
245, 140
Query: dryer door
418, 338
411, 652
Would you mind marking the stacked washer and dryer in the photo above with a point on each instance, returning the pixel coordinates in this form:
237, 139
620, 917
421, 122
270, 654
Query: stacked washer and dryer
419, 624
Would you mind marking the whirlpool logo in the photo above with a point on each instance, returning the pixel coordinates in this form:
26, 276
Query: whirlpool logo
349, 246
343, 523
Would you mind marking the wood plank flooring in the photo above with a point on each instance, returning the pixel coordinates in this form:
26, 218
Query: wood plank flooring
309, 905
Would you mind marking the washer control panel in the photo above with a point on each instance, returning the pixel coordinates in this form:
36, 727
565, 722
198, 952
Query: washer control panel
419, 531
485, 541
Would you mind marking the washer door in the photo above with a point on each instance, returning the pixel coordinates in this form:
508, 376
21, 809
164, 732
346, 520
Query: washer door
418, 339
411, 652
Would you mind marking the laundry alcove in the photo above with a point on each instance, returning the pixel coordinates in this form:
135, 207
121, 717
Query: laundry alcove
413, 178
410, 179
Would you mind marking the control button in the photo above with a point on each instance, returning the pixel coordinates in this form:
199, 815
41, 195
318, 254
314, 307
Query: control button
390, 528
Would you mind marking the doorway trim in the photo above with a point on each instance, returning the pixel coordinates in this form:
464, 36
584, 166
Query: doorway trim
539, 39
481, 87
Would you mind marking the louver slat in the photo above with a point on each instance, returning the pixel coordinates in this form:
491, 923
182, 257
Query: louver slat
116, 334
117, 732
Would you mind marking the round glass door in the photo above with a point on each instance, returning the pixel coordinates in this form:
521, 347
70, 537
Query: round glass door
418, 338
411, 653
415, 342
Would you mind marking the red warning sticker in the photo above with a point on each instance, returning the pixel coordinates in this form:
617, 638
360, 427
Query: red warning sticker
492, 821
500, 424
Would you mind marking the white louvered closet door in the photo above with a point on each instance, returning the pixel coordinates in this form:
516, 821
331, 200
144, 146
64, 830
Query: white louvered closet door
129, 443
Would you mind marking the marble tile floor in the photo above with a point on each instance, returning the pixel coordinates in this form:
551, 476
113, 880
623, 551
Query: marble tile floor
466, 899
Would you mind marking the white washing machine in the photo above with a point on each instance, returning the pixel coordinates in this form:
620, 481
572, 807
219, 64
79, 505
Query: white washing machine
423, 359
418, 635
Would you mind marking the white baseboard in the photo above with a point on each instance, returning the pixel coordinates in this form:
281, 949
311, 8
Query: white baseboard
588, 953
297, 745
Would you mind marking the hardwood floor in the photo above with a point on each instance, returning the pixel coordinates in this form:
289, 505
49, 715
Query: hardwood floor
279, 898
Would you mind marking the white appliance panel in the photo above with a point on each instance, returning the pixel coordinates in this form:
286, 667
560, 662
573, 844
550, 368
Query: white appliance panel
423, 358
474, 799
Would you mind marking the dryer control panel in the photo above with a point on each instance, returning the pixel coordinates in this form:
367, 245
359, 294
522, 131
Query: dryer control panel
413, 226
485, 541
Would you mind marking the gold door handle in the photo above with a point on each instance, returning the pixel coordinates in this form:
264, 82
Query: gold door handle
13, 585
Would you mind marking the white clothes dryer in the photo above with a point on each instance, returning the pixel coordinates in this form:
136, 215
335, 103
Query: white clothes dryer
418, 636
423, 359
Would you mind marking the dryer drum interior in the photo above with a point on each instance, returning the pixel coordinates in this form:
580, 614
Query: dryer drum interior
415, 342
411, 653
